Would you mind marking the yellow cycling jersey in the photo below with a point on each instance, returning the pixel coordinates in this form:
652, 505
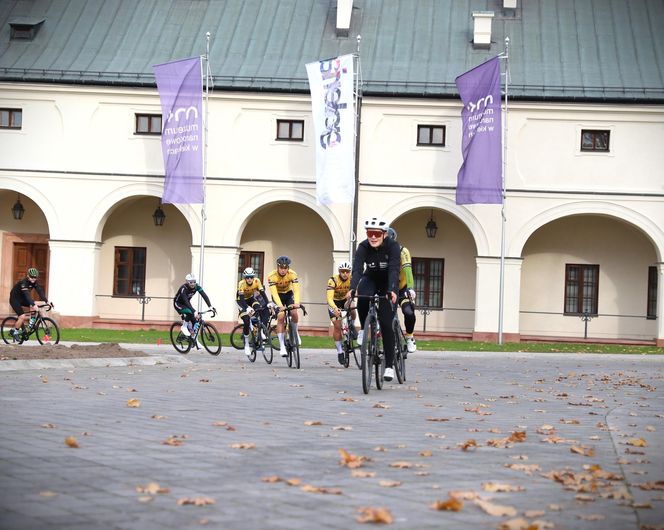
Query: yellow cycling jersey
406, 269
337, 289
247, 291
282, 284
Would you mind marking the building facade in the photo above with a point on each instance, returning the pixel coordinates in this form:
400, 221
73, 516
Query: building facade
584, 216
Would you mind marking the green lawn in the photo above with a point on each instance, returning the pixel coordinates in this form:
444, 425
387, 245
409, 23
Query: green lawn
152, 336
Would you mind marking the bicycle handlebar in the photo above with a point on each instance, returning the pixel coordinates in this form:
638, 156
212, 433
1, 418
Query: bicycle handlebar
290, 308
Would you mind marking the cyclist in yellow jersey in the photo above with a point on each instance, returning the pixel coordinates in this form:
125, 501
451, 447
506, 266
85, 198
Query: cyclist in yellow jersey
249, 293
285, 292
406, 293
337, 289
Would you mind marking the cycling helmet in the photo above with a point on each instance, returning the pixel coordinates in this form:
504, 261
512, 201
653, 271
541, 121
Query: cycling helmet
344, 266
284, 261
248, 273
191, 277
33, 273
376, 223
392, 233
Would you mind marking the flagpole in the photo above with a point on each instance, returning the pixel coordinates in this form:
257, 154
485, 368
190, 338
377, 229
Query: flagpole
356, 153
503, 215
205, 151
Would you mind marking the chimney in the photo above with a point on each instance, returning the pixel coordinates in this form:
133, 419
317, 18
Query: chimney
482, 28
344, 11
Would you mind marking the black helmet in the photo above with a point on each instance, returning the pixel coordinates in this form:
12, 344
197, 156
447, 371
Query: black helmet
392, 233
284, 261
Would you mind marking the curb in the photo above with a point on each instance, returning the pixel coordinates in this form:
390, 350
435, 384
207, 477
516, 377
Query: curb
40, 364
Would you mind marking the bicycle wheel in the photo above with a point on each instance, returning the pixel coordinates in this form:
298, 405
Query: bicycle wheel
8, 324
179, 340
268, 350
399, 344
237, 337
210, 339
368, 350
47, 331
295, 345
379, 363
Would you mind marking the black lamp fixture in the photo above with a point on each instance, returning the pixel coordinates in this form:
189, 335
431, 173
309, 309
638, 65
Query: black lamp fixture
159, 215
17, 209
431, 227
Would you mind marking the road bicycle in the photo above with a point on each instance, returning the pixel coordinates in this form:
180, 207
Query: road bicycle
237, 334
400, 349
348, 337
371, 349
208, 334
290, 337
44, 328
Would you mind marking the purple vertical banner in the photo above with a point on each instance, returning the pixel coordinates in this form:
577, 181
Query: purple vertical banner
480, 178
181, 93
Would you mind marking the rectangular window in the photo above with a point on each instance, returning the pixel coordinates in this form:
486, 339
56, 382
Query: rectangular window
581, 289
594, 140
292, 130
652, 293
11, 118
428, 274
255, 260
148, 124
431, 135
129, 271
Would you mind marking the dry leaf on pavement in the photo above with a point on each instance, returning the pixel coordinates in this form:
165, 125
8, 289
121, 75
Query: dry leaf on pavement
351, 461
70, 441
497, 486
152, 488
374, 515
389, 483
243, 445
196, 501
495, 509
450, 505
134, 403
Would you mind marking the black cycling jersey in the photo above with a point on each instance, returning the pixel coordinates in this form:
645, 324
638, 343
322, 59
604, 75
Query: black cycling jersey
20, 293
182, 299
381, 264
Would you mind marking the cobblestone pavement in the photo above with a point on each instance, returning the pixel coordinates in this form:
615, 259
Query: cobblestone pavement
570, 441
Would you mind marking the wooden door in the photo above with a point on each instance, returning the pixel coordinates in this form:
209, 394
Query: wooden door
28, 255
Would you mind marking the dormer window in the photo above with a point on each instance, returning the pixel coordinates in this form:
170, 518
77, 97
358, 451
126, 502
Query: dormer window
24, 28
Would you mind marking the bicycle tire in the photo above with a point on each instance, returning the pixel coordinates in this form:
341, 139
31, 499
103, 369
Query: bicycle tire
367, 353
268, 350
237, 337
379, 364
346, 356
179, 340
47, 331
210, 339
7, 324
399, 361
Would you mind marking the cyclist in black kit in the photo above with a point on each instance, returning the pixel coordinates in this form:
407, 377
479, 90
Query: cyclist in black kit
182, 302
376, 270
19, 297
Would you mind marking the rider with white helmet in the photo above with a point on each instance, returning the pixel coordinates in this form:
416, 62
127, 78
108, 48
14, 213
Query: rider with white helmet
376, 270
182, 302
337, 289
250, 294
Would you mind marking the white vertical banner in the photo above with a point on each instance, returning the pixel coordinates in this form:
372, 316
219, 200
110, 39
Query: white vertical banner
333, 109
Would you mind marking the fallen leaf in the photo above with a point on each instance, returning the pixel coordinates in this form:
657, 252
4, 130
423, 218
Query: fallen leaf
152, 488
342, 428
360, 473
47, 493
272, 479
465, 446
381, 406
133, 403
70, 441
48, 425
173, 440
351, 461
592, 517
374, 515
308, 488
312, 423
582, 450
389, 483
497, 486
243, 445
145, 498
196, 501
294, 481
531, 514
158, 417
637, 442
401, 465
452, 504
224, 424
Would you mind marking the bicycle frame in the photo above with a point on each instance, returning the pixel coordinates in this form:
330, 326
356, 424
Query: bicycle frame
290, 337
373, 357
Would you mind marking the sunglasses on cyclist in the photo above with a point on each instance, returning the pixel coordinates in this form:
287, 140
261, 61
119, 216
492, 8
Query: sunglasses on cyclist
375, 233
